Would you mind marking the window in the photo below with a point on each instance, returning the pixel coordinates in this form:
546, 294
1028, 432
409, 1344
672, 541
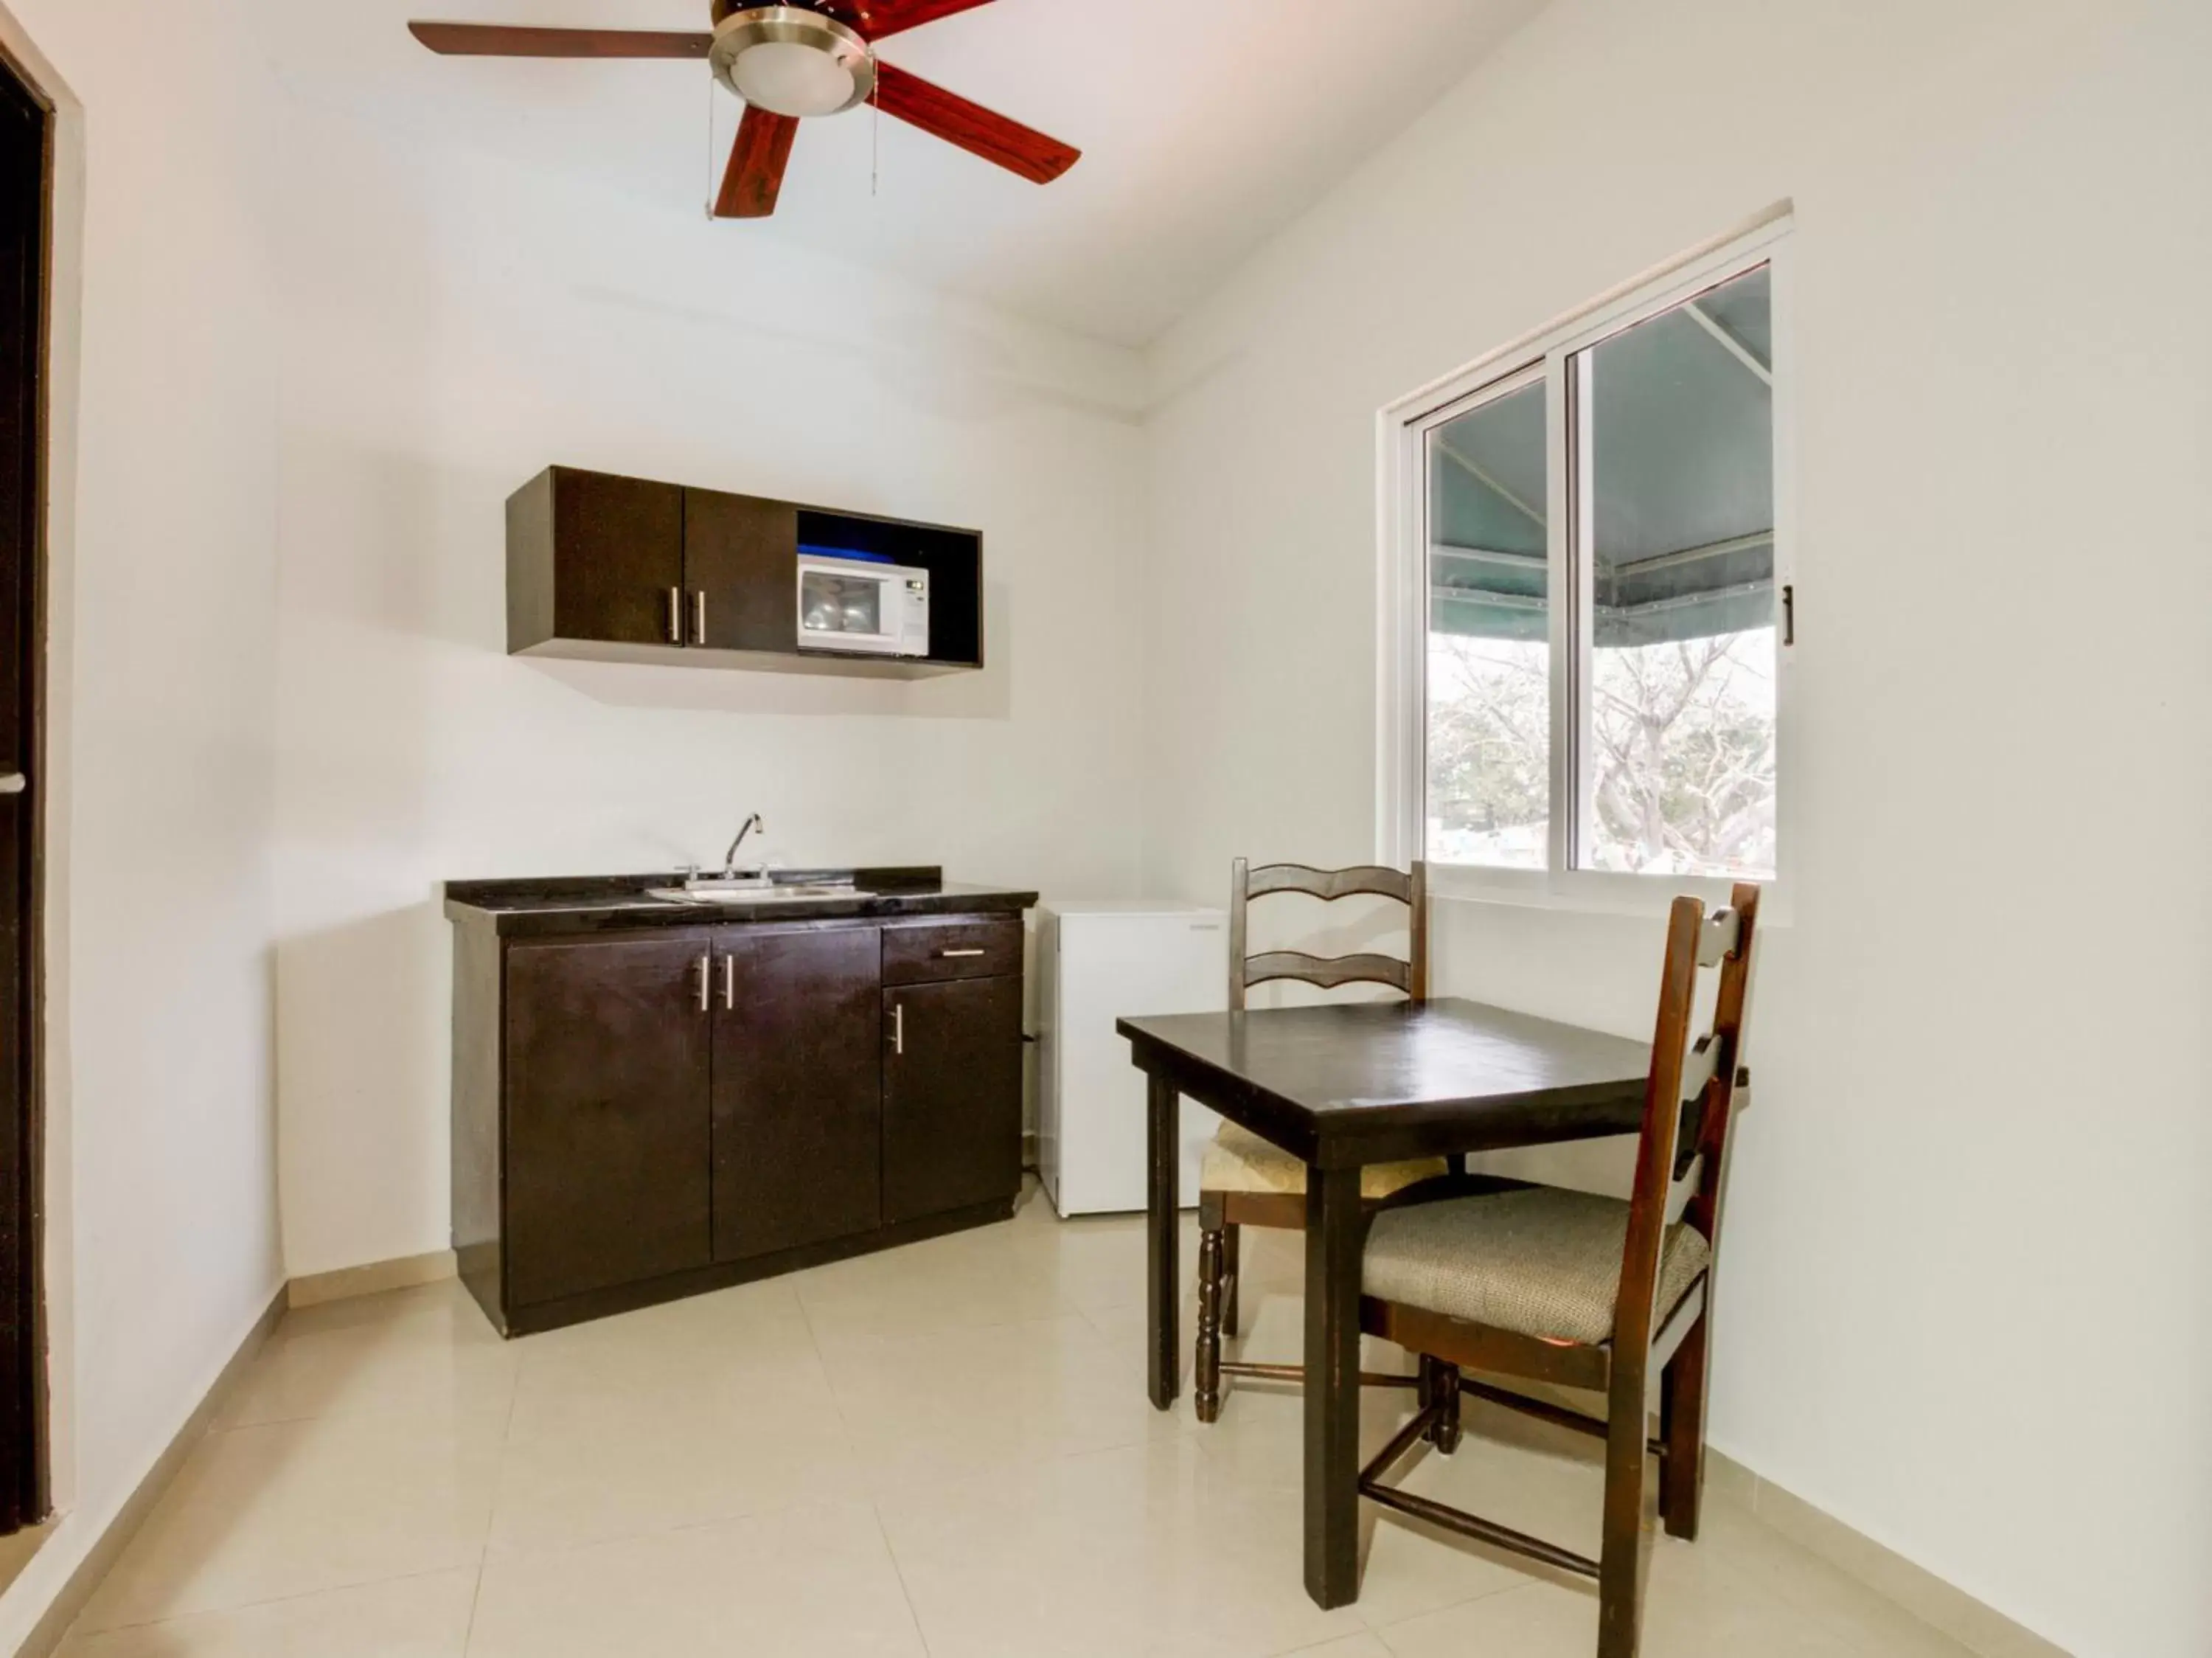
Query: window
1588, 561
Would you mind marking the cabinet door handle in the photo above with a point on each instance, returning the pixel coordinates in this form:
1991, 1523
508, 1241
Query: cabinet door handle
676, 616
898, 1028
705, 968
951, 955
699, 617
730, 982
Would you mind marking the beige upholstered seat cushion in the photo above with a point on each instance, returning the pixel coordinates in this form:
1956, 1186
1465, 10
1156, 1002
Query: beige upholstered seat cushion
1542, 1262
1237, 1160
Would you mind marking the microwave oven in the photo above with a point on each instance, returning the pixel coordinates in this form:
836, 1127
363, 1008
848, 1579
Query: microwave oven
857, 604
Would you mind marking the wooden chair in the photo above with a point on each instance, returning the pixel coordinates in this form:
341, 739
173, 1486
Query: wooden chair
1568, 1289
1245, 1180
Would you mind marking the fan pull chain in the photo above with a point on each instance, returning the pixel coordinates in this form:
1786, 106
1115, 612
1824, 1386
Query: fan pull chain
709, 203
875, 137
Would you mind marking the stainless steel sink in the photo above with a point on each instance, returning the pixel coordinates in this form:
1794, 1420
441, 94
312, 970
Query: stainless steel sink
755, 891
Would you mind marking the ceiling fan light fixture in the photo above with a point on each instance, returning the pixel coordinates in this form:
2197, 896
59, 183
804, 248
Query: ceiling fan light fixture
791, 62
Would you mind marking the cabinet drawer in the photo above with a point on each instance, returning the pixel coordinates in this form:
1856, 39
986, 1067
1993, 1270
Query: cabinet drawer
920, 952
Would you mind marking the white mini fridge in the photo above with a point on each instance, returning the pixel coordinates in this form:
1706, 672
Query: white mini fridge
1097, 963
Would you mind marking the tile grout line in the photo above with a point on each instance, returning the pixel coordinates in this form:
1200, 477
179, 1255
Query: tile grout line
828, 1382
499, 1477
704, 1523
1492, 1593
236, 1607
875, 1506
913, 1611
1382, 1633
476, 1600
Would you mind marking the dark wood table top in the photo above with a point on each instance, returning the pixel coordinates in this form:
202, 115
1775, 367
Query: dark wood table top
1361, 1082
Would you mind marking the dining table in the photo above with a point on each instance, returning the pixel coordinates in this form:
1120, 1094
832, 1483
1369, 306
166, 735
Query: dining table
1340, 1085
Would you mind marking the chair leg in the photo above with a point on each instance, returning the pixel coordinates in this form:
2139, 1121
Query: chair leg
1207, 1388
1440, 1386
1682, 1429
1620, 1561
1233, 1254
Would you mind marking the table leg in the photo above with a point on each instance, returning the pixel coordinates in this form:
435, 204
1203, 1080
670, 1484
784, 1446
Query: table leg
1163, 1276
1334, 1233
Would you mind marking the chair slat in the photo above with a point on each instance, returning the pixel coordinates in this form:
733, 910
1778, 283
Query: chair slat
1327, 971
1701, 1066
1718, 939
1685, 1187
1331, 884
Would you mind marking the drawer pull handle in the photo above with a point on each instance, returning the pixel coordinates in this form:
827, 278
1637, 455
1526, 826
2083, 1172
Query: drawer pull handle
950, 955
898, 1028
704, 967
730, 983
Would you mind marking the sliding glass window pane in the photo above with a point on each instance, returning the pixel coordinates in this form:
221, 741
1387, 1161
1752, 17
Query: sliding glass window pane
1489, 667
1677, 527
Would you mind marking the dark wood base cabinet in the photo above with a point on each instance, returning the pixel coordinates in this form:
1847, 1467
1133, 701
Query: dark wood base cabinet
952, 1095
643, 1115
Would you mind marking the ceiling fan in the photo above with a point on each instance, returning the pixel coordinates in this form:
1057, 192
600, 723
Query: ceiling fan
788, 62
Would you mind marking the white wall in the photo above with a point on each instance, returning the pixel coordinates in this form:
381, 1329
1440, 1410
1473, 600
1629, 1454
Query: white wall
162, 1225
1969, 1266
451, 324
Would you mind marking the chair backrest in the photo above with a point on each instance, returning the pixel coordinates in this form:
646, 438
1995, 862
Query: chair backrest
1675, 1181
1412, 890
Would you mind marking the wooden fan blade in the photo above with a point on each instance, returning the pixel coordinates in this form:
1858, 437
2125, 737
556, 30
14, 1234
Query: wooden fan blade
978, 131
492, 40
754, 175
876, 18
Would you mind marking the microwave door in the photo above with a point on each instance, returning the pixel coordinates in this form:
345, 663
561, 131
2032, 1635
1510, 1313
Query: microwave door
842, 612
847, 610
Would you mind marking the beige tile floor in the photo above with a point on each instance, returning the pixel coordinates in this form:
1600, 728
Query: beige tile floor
944, 1450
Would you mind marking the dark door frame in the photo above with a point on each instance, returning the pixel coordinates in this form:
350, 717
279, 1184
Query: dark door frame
27, 194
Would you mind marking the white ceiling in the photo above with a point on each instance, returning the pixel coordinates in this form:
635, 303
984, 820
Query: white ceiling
1205, 124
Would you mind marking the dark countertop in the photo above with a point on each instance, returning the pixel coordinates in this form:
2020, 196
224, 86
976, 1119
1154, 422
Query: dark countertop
598, 904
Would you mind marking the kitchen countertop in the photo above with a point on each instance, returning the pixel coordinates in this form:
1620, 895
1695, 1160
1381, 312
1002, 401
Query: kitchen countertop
597, 903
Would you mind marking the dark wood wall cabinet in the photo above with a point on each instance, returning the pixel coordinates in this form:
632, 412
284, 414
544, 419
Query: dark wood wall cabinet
645, 1111
628, 570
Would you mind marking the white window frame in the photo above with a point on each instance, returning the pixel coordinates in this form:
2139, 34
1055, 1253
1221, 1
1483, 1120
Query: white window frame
1402, 434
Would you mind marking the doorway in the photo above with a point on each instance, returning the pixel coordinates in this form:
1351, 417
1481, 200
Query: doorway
25, 134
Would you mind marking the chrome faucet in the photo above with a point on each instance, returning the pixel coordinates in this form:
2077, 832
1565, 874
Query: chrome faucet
730, 859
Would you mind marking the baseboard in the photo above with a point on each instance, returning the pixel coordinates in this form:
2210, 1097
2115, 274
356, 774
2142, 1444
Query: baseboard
1980, 1628
100, 1555
403, 1273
